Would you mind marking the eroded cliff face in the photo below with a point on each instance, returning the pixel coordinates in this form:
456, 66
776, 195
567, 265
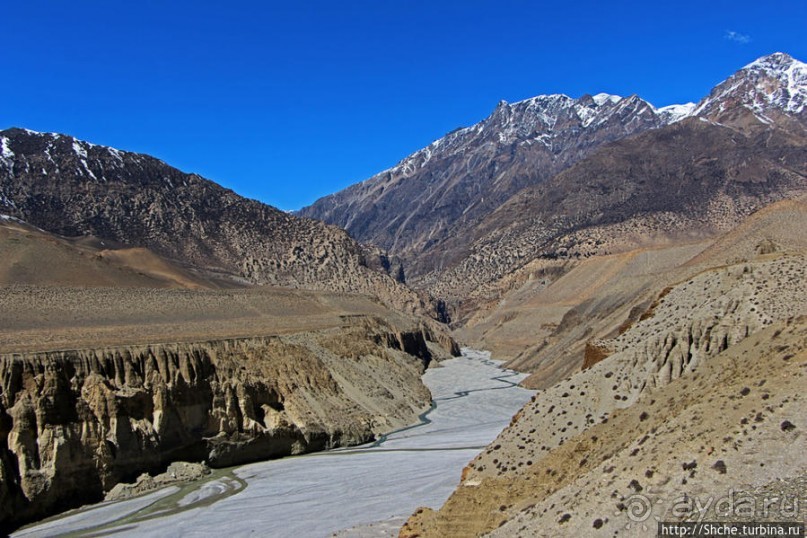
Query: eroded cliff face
687, 326
677, 373
75, 423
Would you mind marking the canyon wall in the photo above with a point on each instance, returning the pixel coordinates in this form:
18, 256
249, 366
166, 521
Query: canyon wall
75, 423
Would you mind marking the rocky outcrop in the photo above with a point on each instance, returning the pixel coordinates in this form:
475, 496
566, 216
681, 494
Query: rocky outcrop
75, 423
176, 473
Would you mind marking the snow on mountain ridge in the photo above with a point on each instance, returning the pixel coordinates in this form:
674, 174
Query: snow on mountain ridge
534, 118
774, 82
791, 95
87, 161
601, 98
541, 113
5, 151
79, 150
777, 61
675, 113
79, 146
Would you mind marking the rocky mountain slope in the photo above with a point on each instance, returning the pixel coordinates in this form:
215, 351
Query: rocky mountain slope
551, 313
545, 175
687, 181
98, 385
77, 189
719, 444
668, 373
696, 395
772, 89
444, 189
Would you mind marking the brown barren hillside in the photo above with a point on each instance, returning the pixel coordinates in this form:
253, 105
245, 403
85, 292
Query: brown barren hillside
731, 429
80, 190
546, 318
115, 361
667, 373
686, 182
707, 378
33, 256
543, 326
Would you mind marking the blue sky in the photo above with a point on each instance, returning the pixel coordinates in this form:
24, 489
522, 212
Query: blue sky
288, 101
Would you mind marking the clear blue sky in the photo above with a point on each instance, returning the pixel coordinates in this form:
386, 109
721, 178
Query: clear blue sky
289, 101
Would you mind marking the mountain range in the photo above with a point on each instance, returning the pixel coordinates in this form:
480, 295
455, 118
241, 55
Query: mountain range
623, 255
655, 291
559, 165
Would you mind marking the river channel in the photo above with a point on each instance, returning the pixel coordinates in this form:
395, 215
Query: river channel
359, 491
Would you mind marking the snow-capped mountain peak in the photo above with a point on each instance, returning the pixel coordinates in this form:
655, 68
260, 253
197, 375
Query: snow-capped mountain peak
773, 84
547, 120
776, 61
602, 98
791, 74
674, 113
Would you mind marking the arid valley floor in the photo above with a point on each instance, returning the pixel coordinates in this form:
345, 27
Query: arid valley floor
628, 285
